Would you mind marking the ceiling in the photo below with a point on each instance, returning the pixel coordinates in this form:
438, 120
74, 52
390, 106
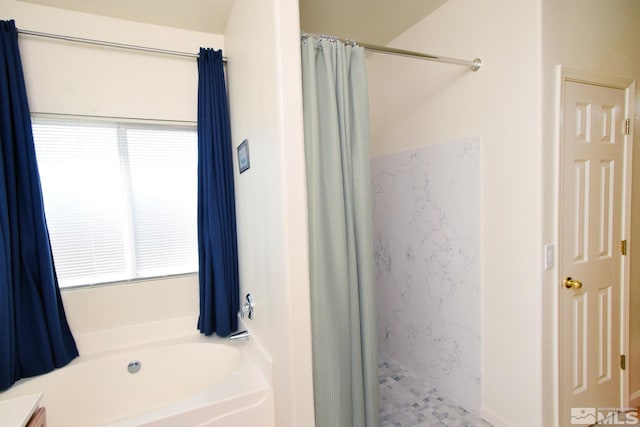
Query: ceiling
370, 21
367, 21
208, 16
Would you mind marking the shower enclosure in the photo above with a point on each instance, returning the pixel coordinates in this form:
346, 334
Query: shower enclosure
426, 240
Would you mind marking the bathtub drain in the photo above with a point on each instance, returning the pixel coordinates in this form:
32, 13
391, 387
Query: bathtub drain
134, 366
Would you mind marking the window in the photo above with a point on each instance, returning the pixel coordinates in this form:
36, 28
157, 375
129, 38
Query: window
120, 198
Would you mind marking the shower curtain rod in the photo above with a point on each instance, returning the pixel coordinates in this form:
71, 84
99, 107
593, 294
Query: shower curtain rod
112, 44
474, 64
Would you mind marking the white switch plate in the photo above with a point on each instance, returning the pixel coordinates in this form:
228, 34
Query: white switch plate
549, 256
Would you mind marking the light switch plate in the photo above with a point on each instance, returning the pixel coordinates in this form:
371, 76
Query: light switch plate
549, 256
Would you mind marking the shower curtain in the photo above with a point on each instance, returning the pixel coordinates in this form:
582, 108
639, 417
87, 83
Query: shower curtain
343, 317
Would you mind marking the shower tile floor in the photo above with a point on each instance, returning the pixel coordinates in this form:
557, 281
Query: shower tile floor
405, 401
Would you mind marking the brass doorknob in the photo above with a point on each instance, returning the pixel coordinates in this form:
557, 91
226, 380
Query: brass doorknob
570, 283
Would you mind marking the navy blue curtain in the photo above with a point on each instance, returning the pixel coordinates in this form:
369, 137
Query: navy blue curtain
34, 334
217, 239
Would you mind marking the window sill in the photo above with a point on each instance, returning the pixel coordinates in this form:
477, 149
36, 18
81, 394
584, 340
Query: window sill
127, 282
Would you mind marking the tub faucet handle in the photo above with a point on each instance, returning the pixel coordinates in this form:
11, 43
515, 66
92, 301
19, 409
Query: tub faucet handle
247, 307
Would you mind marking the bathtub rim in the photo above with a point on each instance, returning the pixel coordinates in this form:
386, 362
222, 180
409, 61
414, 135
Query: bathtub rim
251, 377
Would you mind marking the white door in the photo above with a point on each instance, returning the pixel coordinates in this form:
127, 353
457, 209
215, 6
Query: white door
592, 165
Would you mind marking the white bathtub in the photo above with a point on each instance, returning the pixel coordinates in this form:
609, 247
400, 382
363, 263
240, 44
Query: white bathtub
196, 381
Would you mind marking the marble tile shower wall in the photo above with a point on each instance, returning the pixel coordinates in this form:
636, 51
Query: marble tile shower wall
427, 236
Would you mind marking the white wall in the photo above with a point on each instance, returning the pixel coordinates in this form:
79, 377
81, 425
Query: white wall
597, 36
262, 40
414, 103
66, 78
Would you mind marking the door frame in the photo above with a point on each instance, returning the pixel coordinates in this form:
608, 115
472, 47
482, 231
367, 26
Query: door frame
567, 74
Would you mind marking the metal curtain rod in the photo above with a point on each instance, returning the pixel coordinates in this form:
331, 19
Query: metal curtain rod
111, 44
474, 65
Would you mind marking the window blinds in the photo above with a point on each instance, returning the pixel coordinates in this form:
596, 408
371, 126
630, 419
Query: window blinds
120, 198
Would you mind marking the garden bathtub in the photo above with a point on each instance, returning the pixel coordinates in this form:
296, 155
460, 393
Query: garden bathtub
197, 381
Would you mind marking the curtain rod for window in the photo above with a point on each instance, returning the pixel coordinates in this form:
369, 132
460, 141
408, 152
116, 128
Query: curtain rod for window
474, 65
111, 44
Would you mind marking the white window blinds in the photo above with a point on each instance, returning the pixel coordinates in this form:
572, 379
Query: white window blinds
120, 199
